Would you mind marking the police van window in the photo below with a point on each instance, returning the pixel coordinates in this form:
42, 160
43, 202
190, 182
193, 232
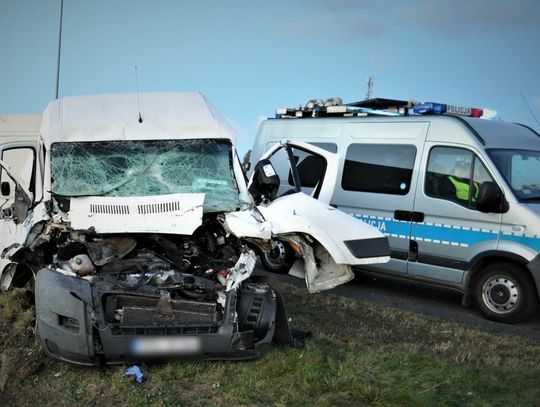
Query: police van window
378, 168
449, 176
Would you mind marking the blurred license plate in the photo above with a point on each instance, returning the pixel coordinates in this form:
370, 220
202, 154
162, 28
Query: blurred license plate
166, 346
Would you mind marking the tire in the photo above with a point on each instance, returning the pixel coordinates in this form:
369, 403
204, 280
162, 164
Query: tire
279, 259
505, 292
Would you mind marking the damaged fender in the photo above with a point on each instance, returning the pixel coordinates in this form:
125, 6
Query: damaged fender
19, 236
336, 239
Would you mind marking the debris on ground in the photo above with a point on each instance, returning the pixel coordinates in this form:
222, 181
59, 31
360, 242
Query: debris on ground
135, 371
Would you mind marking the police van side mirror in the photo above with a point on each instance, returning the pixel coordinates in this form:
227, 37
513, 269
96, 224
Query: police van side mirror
491, 199
265, 182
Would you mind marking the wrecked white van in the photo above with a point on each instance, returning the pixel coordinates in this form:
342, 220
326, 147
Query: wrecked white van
140, 228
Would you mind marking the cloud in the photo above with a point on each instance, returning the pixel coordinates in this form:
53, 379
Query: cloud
344, 19
337, 25
458, 17
438, 17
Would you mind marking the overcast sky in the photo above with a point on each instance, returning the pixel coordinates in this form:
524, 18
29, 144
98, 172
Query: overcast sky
250, 57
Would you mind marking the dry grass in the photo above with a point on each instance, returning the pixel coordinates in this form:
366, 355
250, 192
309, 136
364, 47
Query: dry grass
360, 354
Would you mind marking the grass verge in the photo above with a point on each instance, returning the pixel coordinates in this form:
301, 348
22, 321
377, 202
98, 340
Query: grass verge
360, 354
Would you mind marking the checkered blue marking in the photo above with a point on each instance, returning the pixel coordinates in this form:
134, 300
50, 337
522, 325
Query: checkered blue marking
445, 234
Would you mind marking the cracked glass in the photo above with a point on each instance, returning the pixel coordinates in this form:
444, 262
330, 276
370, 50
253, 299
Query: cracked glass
144, 168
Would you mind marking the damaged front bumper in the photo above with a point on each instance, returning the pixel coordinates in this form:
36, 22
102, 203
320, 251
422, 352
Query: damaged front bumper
89, 323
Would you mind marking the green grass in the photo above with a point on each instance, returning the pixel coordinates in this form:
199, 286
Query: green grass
360, 354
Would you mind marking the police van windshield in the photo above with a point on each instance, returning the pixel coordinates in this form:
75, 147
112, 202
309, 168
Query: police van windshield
143, 168
521, 169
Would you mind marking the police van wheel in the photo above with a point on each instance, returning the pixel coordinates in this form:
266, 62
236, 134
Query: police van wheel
505, 293
279, 259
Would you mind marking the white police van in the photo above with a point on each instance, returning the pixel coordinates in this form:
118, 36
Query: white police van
457, 196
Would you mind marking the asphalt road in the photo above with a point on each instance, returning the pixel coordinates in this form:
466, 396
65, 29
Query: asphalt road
434, 302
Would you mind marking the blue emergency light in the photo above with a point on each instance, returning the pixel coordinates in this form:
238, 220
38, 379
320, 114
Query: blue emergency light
429, 108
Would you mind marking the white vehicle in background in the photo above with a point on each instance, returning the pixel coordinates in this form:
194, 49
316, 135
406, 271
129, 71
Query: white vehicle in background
142, 231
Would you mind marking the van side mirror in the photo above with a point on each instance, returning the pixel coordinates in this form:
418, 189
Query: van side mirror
265, 183
246, 165
5, 188
491, 199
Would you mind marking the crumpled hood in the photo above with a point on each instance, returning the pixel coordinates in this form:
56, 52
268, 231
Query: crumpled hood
174, 213
299, 213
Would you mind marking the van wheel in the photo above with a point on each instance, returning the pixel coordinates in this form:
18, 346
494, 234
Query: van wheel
279, 259
505, 292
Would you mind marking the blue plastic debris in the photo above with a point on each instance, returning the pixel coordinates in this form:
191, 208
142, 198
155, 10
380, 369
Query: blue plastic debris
135, 371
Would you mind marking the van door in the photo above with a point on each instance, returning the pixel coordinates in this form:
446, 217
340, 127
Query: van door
18, 189
378, 180
316, 168
453, 230
327, 259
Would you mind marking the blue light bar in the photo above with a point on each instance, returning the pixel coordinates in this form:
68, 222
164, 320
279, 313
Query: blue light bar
429, 108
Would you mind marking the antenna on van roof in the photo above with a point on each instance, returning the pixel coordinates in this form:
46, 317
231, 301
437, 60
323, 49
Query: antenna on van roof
529, 107
138, 95
59, 49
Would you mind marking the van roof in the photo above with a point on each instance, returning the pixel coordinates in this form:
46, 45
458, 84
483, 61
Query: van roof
14, 124
488, 133
500, 134
116, 117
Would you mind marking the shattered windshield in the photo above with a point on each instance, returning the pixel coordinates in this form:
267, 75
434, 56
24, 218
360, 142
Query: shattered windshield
521, 169
143, 168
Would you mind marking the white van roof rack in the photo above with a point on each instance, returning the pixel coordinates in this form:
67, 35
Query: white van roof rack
378, 107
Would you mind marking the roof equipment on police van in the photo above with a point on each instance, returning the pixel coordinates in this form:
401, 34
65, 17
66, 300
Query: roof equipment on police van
379, 107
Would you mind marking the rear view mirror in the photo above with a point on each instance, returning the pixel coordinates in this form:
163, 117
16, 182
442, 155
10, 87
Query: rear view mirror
491, 199
265, 183
5, 188
246, 165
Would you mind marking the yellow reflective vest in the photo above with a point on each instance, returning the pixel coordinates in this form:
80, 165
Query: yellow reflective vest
462, 189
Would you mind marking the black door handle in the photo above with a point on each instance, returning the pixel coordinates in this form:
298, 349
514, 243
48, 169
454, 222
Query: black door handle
409, 216
402, 215
417, 217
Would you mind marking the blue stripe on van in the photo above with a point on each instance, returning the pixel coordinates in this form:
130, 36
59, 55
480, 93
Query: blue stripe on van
461, 236
530, 241
388, 226
445, 234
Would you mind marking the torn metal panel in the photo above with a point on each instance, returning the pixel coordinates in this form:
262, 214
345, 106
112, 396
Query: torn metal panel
242, 270
300, 214
7, 275
318, 268
248, 223
110, 248
15, 237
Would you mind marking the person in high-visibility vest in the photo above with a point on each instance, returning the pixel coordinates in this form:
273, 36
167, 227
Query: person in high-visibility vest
461, 182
